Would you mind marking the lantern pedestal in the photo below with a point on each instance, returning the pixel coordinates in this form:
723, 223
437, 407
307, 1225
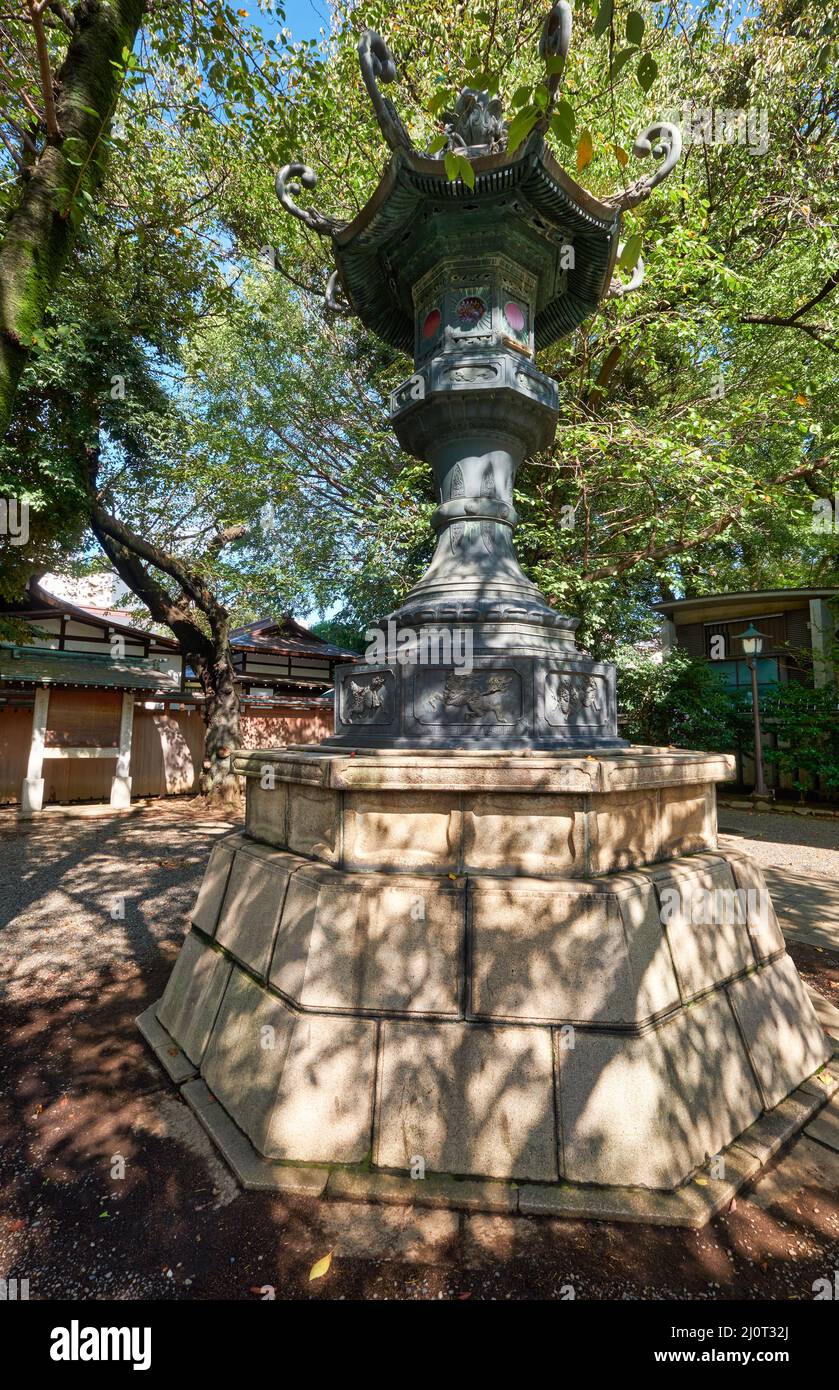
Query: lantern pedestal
535, 970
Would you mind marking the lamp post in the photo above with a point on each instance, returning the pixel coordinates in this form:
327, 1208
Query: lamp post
752, 642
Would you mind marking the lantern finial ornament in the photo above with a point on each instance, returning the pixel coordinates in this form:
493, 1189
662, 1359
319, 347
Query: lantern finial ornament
667, 148
289, 183
554, 44
379, 65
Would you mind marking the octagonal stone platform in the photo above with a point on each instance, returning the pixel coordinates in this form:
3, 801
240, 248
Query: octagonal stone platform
533, 969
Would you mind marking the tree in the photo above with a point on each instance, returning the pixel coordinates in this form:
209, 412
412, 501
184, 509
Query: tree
61, 159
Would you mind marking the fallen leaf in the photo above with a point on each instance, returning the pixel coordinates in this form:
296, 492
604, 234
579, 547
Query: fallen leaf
322, 1267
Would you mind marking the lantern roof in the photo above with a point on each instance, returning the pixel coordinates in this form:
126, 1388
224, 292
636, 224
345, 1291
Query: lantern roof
523, 206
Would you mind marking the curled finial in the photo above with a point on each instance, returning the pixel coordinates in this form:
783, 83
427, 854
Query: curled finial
285, 188
555, 43
333, 299
667, 147
379, 65
617, 288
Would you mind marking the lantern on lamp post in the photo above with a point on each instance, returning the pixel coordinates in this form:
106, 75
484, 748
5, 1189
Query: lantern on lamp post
752, 642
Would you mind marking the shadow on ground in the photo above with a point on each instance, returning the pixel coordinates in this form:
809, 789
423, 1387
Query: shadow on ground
108, 1187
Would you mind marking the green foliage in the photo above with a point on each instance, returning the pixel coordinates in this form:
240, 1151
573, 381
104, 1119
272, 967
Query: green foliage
695, 442
806, 723
677, 702
349, 635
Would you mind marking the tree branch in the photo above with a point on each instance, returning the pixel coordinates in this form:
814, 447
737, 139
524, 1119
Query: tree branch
36, 10
818, 332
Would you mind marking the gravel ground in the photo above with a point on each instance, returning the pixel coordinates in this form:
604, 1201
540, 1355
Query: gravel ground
804, 844
109, 1188
65, 882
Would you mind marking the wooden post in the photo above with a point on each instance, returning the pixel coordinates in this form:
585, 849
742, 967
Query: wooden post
121, 785
32, 791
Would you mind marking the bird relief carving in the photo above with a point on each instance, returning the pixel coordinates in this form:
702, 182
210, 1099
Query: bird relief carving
366, 699
574, 693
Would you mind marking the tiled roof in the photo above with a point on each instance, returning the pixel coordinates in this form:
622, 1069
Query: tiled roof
45, 666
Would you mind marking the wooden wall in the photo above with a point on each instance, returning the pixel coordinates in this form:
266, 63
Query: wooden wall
167, 746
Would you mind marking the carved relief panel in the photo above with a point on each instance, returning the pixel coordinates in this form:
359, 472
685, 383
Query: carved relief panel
481, 698
368, 697
576, 698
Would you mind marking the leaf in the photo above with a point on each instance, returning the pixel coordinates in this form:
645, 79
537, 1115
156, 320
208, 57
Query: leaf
521, 96
322, 1267
604, 17
620, 61
458, 167
521, 126
563, 123
621, 156
647, 72
436, 144
630, 253
634, 27
467, 173
585, 151
801, 400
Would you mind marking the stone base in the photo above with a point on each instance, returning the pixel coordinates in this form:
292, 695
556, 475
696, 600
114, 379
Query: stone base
525, 979
692, 1205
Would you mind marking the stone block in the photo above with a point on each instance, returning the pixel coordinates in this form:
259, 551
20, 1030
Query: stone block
467, 1099
785, 1040
380, 942
704, 922
687, 820
250, 914
775, 1128
585, 952
299, 1085
690, 1206
646, 1111
192, 996
527, 834
766, 935
265, 812
623, 831
314, 822
402, 830
825, 1127
256, 1174
213, 884
174, 1062
434, 1190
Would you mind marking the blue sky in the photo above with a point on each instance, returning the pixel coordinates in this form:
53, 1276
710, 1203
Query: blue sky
305, 18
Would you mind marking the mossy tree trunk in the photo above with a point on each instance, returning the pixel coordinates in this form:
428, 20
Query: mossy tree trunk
40, 230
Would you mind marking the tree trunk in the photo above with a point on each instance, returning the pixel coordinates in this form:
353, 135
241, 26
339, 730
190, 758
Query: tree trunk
40, 231
209, 656
220, 711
